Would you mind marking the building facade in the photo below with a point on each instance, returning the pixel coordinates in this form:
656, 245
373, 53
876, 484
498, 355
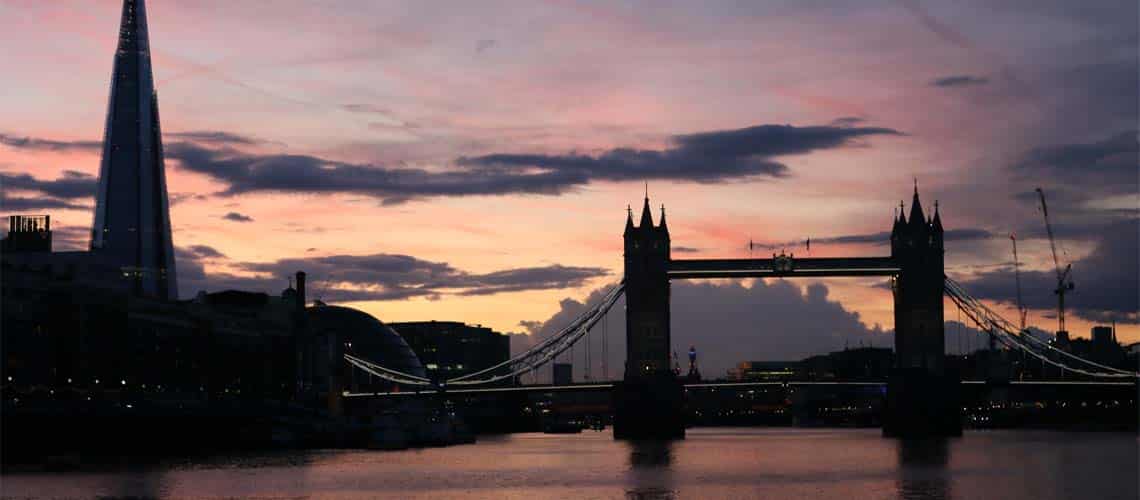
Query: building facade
450, 349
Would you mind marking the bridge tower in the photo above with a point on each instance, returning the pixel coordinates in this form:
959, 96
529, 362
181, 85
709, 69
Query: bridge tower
646, 295
648, 403
921, 394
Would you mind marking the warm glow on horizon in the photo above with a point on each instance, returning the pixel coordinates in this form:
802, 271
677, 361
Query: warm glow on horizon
439, 99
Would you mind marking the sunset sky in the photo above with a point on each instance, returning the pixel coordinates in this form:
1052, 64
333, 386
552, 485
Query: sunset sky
473, 161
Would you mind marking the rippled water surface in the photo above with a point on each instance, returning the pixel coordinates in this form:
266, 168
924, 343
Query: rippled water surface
711, 463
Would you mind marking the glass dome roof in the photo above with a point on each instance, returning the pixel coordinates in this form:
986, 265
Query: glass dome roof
366, 337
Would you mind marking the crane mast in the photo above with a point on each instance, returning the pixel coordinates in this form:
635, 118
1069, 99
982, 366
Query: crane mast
1062, 274
1017, 279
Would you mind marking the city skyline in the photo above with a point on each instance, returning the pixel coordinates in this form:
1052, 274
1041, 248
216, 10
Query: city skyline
426, 189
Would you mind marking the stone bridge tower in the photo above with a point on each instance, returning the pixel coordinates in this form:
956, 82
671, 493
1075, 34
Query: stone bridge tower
646, 295
649, 402
922, 396
916, 246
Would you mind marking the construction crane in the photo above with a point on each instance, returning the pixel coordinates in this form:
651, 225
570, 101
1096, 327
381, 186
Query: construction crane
1064, 280
1020, 304
1021, 311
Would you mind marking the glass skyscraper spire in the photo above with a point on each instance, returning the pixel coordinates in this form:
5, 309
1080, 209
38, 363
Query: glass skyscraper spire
132, 213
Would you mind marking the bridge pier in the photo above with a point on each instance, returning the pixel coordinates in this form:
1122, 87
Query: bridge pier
922, 404
649, 408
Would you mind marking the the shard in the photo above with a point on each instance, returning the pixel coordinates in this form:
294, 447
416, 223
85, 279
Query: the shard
132, 215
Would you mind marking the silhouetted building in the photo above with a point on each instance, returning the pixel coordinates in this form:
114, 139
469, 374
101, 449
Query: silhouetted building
864, 363
131, 248
64, 338
104, 328
27, 233
450, 349
1062, 339
1101, 347
28, 248
760, 371
132, 215
563, 374
362, 335
1103, 336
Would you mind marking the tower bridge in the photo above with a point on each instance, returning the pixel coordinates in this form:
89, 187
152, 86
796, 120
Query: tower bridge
922, 395
648, 400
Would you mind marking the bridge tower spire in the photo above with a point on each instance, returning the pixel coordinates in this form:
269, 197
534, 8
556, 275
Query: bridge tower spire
917, 218
936, 228
646, 216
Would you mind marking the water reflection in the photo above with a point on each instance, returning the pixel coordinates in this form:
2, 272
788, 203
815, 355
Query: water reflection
830, 464
146, 483
163, 478
650, 475
650, 453
923, 474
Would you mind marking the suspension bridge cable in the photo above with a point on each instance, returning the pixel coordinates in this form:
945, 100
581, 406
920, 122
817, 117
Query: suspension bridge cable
588, 339
571, 349
549, 348
388, 371
582, 318
605, 348
385, 373
1013, 344
1003, 324
959, 332
987, 319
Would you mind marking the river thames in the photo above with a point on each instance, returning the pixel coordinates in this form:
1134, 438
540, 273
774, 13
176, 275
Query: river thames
712, 463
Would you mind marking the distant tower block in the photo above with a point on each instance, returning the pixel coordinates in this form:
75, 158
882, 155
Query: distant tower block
132, 214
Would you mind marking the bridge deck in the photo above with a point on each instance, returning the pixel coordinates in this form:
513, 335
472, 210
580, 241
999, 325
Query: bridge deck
606, 386
762, 268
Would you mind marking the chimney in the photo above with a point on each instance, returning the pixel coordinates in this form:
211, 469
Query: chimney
301, 290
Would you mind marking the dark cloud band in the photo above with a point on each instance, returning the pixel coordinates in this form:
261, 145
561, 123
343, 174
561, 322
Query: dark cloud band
959, 81
706, 157
374, 277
